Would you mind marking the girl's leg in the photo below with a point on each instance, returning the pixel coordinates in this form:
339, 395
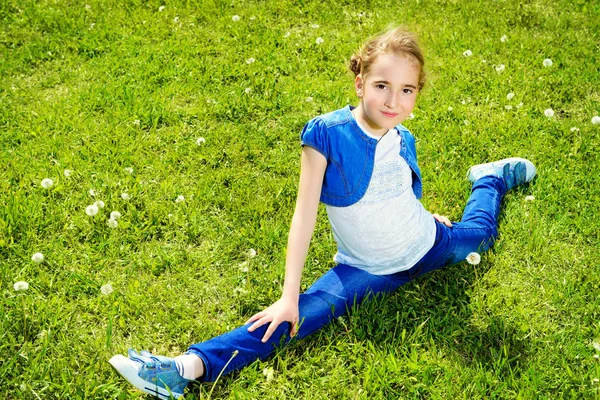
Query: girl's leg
329, 297
476, 231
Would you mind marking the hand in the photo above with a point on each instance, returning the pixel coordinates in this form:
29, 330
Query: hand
443, 219
282, 310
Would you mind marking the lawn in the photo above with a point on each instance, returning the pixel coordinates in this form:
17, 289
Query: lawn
184, 117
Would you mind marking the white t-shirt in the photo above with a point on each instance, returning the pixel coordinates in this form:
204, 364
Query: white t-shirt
388, 230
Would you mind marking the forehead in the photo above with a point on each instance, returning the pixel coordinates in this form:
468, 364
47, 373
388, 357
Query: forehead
393, 68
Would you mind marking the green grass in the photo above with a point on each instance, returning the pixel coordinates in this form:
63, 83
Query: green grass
120, 84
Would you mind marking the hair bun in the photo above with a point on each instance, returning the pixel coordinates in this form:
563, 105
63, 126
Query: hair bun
354, 65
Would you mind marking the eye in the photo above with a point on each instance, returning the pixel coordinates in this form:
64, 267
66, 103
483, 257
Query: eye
407, 91
380, 86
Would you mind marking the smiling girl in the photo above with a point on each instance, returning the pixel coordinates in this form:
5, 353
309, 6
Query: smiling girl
361, 162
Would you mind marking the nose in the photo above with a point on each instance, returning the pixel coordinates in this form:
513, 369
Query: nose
393, 100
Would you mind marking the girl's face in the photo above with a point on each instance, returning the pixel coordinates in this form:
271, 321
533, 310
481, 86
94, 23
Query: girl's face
388, 94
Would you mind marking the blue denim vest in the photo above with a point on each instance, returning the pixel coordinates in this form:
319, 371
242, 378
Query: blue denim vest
350, 155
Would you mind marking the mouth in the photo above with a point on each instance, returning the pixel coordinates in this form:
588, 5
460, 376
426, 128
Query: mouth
389, 115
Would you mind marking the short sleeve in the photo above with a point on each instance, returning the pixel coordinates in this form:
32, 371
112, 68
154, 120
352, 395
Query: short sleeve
314, 134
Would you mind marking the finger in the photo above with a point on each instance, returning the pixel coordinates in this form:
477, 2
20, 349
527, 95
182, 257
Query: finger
274, 324
436, 216
258, 324
294, 330
447, 222
255, 317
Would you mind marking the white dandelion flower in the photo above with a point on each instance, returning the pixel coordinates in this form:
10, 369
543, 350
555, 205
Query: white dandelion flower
248, 90
467, 53
125, 196
319, 40
520, 105
484, 61
161, 8
128, 170
200, 141
500, 68
67, 172
467, 122
309, 99
37, 258
510, 96
250, 60
179, 199
314, 26
252, 18
547, 62
112, 223
47, 182
91, 210
251, 253
504, 39
473, 258
463, 102
287, 34
574, 129
106, 289
136, 122
235, 18
596, 344
176, 19
549, 113
596, 380
268, 373
92, 192
411, 116
99, 204
596, 120
508, 107
92, 25
21, 285
450, 108
529, 198
88, 7
115, 215
239, 290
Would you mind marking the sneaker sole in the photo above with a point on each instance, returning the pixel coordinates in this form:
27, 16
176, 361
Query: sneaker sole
128, 369
530, 170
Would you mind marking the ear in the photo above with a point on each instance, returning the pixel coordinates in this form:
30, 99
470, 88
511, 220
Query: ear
359, 85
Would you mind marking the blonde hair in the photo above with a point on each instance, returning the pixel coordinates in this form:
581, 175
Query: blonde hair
397, 41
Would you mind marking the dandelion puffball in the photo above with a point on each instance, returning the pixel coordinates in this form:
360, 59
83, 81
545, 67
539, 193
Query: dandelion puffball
92, 192
319, 40
467, 53
112, 223
574, 129
473, 258
125, 196
200, 141
500, 68
504, 39
106, 289
251, 253
510, 96
115, 215
268, 373
547, 62
91, 210
37, 258
47, 182
21, 285
235, 18
129, 170
250, 60
67, 172
529, 198
180, 199
549, 113
596, 120
247, 90
309, 99
99, 204
161, 8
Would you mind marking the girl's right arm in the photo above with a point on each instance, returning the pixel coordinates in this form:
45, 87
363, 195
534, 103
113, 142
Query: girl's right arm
312, 171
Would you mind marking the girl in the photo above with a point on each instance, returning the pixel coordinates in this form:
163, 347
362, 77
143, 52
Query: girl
362, 164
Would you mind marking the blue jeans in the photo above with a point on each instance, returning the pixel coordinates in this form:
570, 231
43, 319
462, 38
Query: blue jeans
343, 286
